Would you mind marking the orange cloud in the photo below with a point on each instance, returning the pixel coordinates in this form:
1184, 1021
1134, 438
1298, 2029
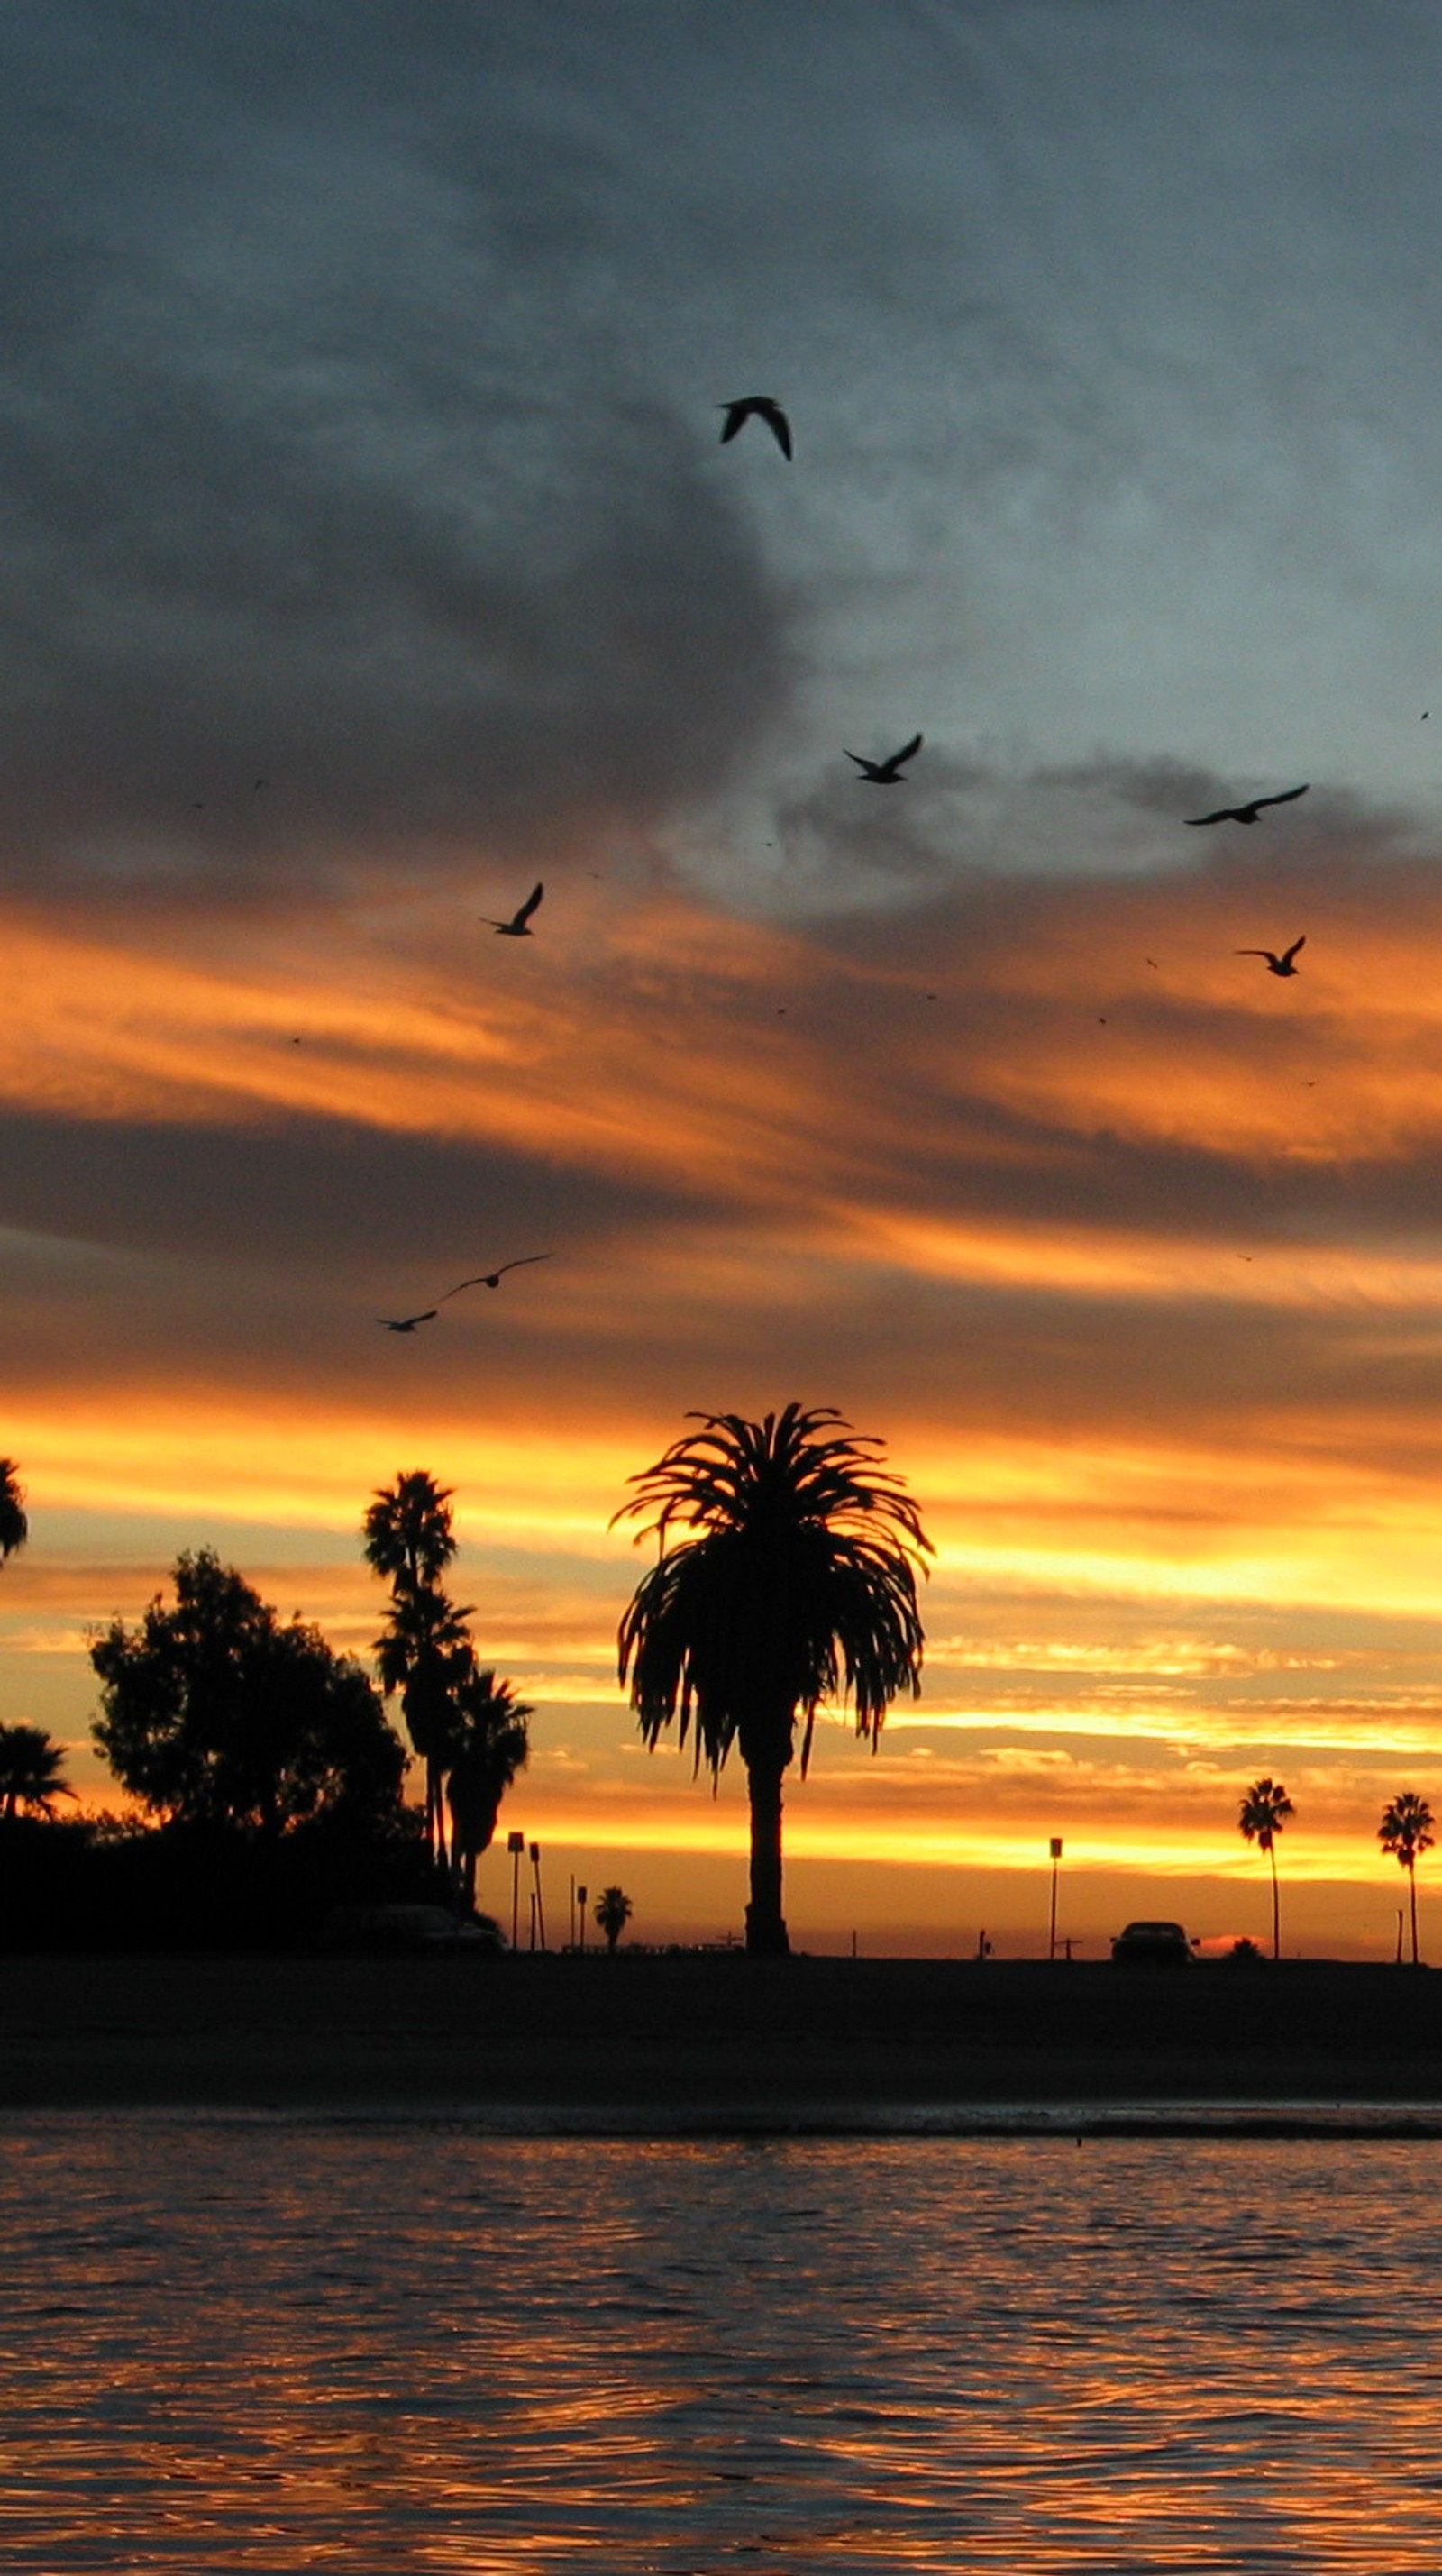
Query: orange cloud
1148, 1323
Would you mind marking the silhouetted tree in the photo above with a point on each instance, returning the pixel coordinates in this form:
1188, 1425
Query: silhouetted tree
14, 1527
612, 1911
31, 1764
800, 1585
216, 1713
1406, 1832
487, 1747
1264, 1811
409, 1542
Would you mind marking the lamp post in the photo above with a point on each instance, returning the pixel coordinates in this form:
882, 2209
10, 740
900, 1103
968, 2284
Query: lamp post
1055, 1863
540, 1913
515, 1845
581, 1894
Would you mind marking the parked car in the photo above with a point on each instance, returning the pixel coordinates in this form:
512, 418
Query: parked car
419, 1929
1152, 1945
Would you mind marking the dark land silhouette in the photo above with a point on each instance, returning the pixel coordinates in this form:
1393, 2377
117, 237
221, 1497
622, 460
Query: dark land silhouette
73, 1887
712, 2042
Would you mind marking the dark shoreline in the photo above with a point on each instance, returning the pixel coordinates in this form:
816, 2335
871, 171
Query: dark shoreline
716, 2046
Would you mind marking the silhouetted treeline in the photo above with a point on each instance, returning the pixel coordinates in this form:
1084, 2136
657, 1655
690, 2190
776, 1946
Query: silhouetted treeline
88, 1886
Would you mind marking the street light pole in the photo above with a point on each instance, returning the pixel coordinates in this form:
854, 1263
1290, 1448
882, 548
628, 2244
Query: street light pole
581, 1894
515, 1845
540, 1908
1055, 1863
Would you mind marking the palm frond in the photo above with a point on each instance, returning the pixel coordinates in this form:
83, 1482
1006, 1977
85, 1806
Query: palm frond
798, 1585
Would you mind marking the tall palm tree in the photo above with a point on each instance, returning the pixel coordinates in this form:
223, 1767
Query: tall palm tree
424, 1653
613, 1910
1264, 1811
1406, 1832
14, 1527
488, 1746
799, 1585
408, 1530
30, 1771
409, 1541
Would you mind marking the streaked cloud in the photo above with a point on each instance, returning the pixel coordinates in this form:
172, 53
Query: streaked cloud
359, 438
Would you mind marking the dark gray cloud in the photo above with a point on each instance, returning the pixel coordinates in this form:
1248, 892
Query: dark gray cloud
306, 1199
356, 423
317, 466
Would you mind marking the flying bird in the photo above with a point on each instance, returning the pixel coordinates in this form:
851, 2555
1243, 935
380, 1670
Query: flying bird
885, 773
1249, 813
1275, 965
518, 927
756, 407
482, 1279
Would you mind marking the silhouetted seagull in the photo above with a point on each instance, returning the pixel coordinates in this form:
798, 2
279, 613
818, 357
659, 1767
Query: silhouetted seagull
1249, 813
756, 407
482, 1279
885, 773
518, 927
1275, 965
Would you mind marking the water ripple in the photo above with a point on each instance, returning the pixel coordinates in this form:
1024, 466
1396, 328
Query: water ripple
230, 2347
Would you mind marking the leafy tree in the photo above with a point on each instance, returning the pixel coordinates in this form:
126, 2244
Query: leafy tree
1406, 1832
800, 1584
31, 1763
14, 1527
1264, 1811
612, 1911
215, 1713
423, 1651
488, 1746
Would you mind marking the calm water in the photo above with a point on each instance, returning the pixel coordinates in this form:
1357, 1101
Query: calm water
380, 2347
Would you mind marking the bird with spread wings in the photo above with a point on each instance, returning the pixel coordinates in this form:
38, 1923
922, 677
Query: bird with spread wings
762, 407
885, 773
519, 925
1248, 813
1276, 965
482, 1279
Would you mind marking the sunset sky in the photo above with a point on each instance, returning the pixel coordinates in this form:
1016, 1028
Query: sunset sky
359, 428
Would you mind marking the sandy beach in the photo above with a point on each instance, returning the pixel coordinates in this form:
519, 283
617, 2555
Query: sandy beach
707, 2042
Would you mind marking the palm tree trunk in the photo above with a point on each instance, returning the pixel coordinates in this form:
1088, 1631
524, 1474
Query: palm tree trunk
765, 1923
1276, 1915
1412, 1881
436, 1811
